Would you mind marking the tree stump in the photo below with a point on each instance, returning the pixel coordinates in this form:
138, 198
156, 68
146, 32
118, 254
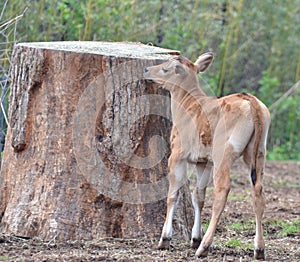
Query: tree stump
88, 142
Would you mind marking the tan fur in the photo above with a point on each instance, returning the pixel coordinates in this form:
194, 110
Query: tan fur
211, 133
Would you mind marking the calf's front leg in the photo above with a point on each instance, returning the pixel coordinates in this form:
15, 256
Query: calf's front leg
177, 178
198, 197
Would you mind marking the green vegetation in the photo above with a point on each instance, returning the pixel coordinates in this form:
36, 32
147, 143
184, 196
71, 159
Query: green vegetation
284, 228
205, 225
240, 245
241, 225
282, 182
237, 244
240, 197
256, 44
277, 227
233, 243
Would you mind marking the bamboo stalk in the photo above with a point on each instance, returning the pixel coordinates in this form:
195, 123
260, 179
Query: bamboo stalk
237, 28
236, 31
13, 20
297, 74
225, 55
88, 20
286, 94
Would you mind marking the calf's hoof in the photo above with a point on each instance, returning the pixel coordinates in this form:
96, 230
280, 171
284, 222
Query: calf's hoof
259, 254
164, 243
195, 243
202, 252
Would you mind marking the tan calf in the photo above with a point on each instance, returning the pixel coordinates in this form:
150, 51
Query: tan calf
210, 133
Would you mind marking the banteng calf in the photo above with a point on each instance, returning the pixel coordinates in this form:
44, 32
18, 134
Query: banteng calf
210, 133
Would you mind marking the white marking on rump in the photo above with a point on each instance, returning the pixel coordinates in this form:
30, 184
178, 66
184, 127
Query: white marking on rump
245, 108
241, 134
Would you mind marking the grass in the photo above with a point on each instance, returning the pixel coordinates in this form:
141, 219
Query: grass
237, 244
239, 197
4, 258
233, 243
291, 229
205, 225
294, 185
284, 228
285, 183
242, 225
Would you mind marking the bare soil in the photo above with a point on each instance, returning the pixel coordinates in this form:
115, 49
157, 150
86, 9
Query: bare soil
233, 239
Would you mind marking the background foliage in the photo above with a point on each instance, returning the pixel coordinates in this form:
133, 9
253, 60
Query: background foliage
256, 44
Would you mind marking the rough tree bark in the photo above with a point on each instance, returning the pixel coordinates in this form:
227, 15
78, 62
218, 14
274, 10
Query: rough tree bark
87, 146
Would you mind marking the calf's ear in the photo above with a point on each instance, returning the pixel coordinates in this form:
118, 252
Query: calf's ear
179, 70
203, 62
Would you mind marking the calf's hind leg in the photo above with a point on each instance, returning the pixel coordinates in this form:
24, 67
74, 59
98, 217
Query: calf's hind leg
258, 198
259, 204
221, 178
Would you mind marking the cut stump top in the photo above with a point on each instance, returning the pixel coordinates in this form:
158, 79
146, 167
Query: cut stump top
116, 49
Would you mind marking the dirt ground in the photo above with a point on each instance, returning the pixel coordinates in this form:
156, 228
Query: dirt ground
233, 239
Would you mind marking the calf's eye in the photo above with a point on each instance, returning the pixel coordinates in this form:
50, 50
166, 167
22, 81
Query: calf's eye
164, 70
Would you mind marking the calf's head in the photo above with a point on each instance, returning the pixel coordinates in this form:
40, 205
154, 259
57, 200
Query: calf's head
177, 71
